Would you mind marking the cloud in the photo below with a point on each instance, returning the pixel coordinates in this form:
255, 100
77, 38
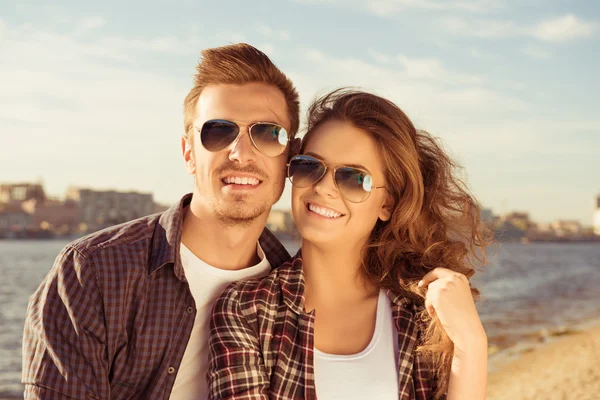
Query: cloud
390, 7
432, 69
482, 54
272, 33
267, 48
486, 29
422, 68
563, 29
91, 23
238, 38
387, 8
559, 29
428, 91
537, 53
379, 56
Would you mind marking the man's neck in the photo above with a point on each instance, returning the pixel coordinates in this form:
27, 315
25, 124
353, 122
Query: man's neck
220, 245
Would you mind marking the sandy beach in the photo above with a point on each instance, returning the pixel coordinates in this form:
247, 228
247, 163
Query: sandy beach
568, 367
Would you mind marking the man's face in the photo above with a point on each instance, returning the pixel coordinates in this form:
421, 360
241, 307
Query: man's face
262, 177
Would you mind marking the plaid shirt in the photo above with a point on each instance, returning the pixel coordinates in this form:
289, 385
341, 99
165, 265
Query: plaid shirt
262, 341
112, 318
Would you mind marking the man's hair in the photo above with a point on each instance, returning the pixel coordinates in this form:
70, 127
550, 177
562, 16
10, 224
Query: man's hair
238, 64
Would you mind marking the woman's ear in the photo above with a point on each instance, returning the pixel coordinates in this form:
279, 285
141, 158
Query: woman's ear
385, 213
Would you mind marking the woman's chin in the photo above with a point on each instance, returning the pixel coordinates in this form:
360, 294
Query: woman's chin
317, 236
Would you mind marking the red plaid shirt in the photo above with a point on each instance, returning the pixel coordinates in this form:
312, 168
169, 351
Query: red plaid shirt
262, 341
112, 318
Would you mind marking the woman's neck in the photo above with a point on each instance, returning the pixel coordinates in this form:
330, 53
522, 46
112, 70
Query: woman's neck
333, 274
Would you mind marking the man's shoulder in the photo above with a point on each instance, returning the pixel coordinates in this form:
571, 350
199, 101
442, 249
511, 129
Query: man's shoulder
117, 238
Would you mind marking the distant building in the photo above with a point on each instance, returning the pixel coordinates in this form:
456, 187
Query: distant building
596, 220
60, 217
16, 193
99, 209
13, 220
519, 220
567, 228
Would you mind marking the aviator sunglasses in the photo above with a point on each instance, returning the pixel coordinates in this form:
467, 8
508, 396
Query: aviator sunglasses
354, 184
269, 138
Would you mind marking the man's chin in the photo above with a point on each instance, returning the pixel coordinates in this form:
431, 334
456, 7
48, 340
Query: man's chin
239, 213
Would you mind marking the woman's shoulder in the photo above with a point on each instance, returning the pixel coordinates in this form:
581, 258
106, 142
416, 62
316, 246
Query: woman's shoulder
266, 290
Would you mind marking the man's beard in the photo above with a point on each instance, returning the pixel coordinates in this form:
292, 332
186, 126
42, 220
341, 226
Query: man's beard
242, 211
240, 214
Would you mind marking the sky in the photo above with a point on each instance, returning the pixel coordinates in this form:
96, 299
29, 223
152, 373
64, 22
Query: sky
91, 93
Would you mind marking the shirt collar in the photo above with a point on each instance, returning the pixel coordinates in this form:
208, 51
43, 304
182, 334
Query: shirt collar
291, 280
167, 239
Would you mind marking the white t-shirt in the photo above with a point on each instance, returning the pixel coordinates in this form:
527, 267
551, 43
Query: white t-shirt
206, 284
370, 374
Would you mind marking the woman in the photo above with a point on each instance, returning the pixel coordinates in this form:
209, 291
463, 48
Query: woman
377, 303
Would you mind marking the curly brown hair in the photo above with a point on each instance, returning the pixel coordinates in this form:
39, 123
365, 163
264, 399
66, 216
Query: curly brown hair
435, 222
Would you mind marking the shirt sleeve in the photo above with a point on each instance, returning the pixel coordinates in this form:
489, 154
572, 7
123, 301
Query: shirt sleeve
64, 341
236, 366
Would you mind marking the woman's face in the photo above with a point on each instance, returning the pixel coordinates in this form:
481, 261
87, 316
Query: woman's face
322, 214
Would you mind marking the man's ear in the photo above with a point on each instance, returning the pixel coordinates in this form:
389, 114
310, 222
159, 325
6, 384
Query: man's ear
188, 155
295, 145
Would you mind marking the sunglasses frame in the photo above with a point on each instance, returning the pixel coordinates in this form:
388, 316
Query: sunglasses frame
334, 168
239, 127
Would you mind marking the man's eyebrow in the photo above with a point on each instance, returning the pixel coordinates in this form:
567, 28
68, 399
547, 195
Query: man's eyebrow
358, 166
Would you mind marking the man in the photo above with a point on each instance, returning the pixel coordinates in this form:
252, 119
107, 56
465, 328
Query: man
123, 313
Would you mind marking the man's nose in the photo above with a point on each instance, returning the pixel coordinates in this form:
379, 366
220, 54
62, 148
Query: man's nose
242, 149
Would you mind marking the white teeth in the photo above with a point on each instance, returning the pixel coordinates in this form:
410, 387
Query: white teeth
241, 180
326, 212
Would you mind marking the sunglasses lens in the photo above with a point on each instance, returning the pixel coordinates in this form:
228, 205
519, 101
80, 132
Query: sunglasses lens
353, 183
270, 139
217, 134
304, 171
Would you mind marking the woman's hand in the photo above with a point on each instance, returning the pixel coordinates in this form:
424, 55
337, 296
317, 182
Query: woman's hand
449, 297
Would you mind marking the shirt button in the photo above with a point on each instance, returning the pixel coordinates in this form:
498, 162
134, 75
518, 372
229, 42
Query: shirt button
190, 310
171, 370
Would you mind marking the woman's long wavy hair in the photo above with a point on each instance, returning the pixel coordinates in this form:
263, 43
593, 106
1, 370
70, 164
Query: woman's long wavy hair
435, 222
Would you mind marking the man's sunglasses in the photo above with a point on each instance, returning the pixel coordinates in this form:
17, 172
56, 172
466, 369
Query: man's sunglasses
270, 139
353, 183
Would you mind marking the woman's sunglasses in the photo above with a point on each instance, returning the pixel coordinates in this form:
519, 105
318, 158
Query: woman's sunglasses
353, 183
270, 139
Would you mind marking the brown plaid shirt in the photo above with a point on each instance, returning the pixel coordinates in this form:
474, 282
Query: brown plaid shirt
262, 341
112, 318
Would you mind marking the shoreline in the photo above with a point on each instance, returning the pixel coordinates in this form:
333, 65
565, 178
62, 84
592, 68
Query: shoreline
565, 366
500, 354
